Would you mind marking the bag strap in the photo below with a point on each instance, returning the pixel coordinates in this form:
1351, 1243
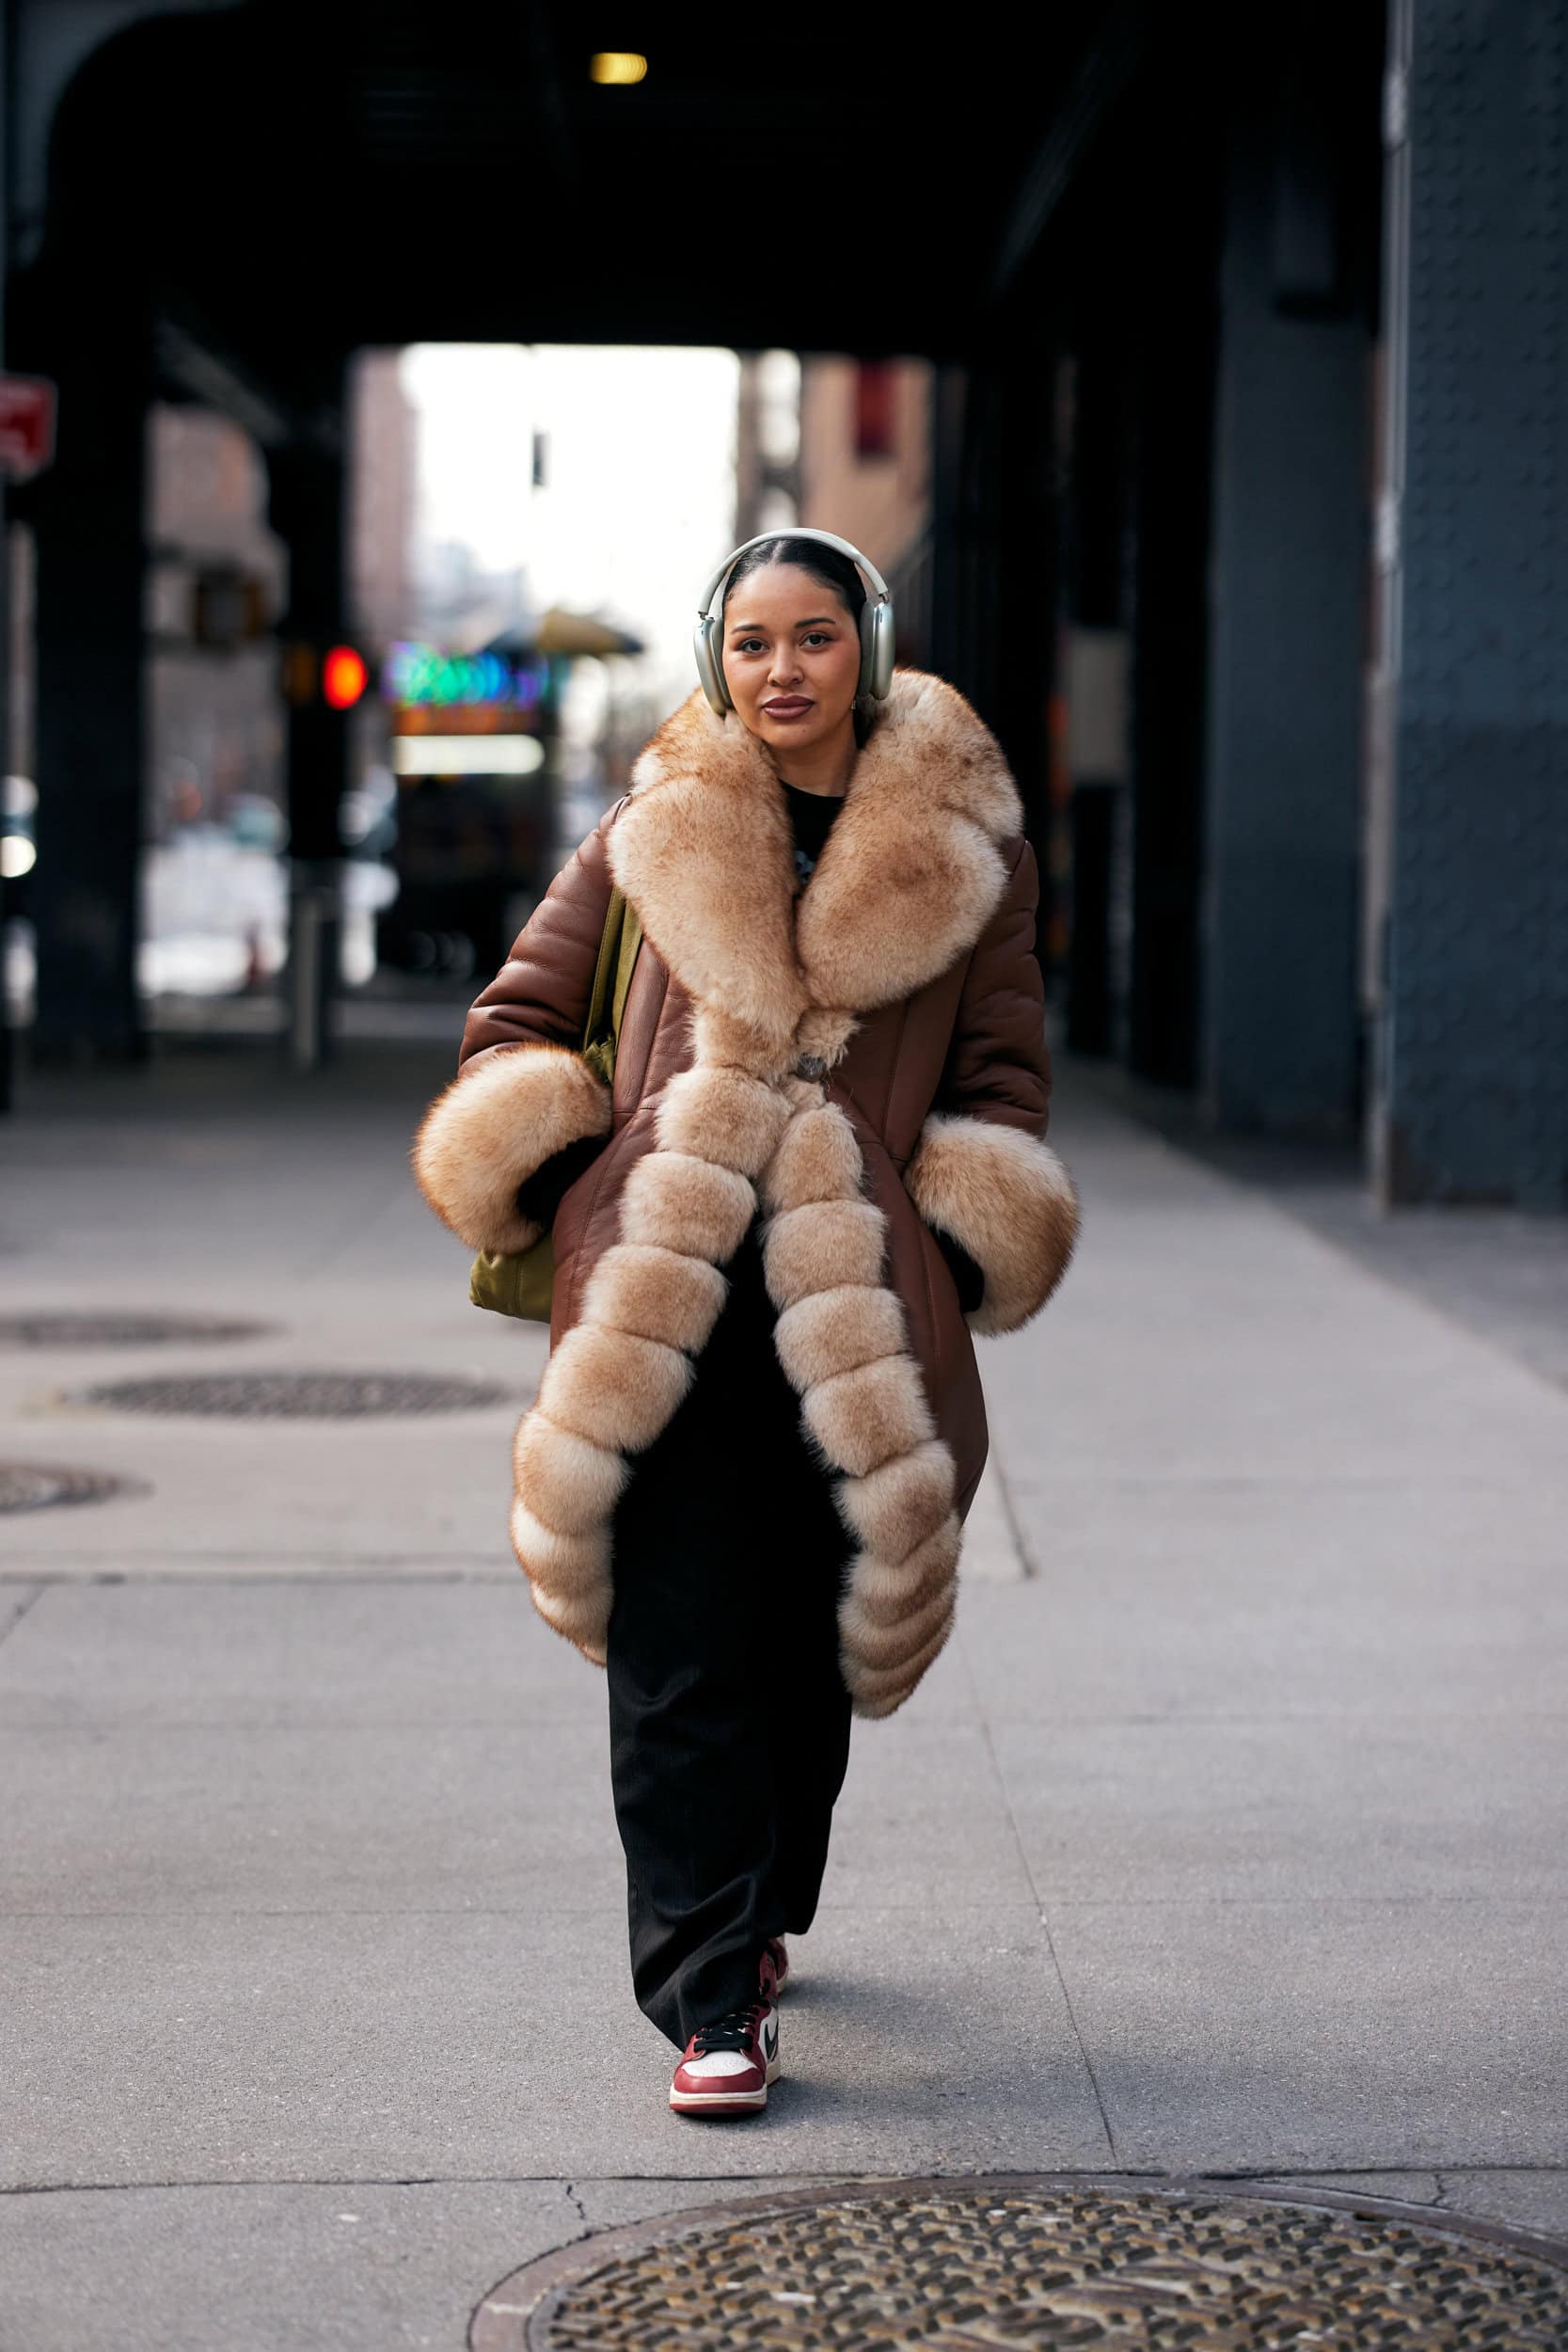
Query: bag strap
600, 1002
626, 964
618, 946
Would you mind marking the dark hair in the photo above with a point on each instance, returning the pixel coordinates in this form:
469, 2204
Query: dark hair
834, 570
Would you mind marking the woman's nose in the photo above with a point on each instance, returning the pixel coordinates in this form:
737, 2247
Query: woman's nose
785, 668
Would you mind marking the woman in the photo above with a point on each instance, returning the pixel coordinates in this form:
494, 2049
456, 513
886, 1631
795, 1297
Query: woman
821, 1163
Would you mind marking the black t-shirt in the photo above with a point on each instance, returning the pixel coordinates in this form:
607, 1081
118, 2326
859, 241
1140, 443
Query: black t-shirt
810, 818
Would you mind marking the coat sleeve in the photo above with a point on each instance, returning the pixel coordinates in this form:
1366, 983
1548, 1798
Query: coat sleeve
523, 1097
982, 1173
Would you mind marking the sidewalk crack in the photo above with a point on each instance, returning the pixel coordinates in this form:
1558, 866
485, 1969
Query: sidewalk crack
30, 1604
1027, 1569
1078, 2036
1040, 1908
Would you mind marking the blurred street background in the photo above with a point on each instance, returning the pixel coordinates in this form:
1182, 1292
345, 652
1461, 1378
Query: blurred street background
379, 385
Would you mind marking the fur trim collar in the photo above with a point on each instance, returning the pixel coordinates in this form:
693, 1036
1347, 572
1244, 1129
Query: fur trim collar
911, 875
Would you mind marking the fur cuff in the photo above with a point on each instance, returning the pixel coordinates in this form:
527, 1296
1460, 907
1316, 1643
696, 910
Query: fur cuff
1007, 1197
497, 1122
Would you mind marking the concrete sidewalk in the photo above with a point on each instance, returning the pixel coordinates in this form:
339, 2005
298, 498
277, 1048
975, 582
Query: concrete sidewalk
1230, 1834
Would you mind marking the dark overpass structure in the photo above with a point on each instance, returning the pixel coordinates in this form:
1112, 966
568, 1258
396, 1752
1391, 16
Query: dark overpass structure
1250, 525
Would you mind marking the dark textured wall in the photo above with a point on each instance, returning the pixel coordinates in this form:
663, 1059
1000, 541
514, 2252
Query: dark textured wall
1288, 582
1475, 1044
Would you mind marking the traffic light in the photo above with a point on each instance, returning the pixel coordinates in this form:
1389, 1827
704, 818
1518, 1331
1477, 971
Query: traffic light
336, 675
343, 678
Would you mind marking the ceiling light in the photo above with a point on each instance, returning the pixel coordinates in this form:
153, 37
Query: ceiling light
617, 65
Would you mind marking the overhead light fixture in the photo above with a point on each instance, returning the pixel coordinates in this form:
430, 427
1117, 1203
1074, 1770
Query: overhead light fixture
617, 65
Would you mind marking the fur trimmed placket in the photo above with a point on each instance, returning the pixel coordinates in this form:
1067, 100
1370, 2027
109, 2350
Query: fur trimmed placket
732, 1139
907, 882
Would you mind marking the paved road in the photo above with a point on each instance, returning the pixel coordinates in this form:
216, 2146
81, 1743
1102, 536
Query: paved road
1229, 1834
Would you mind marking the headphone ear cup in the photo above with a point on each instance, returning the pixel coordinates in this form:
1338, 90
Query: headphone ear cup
710, 669
877, 668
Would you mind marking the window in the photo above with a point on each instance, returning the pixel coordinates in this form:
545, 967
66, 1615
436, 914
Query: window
876, 389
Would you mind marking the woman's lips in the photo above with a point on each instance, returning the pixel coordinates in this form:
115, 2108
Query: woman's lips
788, 706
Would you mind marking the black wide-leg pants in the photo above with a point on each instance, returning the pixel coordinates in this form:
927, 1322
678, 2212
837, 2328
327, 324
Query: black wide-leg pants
729, 1720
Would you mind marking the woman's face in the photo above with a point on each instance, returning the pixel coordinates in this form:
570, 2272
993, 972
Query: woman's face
792, 656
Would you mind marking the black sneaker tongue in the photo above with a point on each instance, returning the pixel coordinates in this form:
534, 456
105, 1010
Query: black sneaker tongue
730, 2033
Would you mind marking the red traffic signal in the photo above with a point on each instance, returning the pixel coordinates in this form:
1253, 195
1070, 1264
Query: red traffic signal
344, 677
337, 678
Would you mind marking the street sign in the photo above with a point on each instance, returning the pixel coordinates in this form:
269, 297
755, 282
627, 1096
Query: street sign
26, 425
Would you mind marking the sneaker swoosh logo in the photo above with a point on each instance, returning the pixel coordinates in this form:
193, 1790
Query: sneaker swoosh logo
770, 2045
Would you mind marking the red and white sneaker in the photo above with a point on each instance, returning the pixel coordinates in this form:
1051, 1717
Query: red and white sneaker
728, 2065
775, 1967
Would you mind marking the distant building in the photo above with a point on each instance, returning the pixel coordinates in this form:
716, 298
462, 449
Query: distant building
865, 453
381, 507
215, 732
767, 444
842, 445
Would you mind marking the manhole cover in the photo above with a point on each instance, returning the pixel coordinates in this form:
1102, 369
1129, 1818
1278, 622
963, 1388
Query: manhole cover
119, 1330
968, 2266
34, 1486
293, 1395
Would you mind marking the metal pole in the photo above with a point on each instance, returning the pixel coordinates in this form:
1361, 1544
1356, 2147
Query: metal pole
307, 512
7, 1048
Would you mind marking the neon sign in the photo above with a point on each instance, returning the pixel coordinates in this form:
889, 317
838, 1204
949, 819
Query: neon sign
420, 674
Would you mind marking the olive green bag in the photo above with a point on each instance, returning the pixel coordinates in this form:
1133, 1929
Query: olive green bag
520, 1281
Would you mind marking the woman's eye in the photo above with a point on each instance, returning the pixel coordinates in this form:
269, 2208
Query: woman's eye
749, 644
818, 637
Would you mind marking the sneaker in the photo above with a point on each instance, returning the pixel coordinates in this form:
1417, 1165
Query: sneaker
728, 2065
775, 1967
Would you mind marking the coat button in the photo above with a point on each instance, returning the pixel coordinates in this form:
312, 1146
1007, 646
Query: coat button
811, 1066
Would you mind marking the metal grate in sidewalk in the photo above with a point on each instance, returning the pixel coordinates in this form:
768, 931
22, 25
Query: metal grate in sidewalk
969, 2265
46, 1329
34, 1486
293, 1395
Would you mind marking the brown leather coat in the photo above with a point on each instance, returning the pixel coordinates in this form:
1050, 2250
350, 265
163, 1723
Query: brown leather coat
864, 1062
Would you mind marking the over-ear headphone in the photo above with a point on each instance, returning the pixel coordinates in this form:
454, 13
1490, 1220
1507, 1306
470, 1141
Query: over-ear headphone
876, 621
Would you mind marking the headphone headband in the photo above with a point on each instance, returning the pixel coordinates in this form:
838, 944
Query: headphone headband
876, 620
824, 538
